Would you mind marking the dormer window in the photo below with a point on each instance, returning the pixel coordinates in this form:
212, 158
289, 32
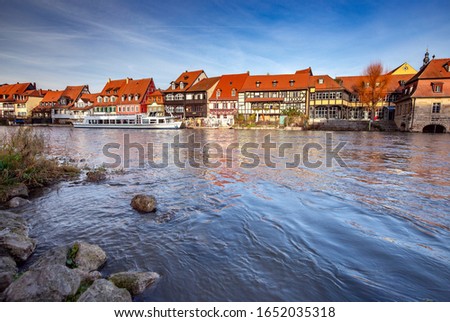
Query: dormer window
106, 99
291, 82
99, 99
181, 85
447, 67
320, 80
124, 97
136, 97
274, 83
174, 85
218, 92
437, 87
258, 83
130, 97
233, 92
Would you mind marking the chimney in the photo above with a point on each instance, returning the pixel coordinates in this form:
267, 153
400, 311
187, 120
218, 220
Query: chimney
127, 80
109, 80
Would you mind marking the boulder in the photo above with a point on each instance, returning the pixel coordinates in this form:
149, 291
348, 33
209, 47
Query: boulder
19, 190
52, 283
88, 277
134, 282
89, 257
144, 203
54, 256
17, 202
14, 240
105, 291
96, 176
8, 269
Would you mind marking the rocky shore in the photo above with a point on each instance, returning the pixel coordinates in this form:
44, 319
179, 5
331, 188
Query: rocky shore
66, 273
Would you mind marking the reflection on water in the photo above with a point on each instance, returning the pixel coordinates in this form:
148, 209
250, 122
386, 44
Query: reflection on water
376, 230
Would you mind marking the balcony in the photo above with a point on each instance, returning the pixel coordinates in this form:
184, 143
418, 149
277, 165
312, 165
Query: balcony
225, 111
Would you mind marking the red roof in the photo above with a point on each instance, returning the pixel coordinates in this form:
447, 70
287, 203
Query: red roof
14, 89
188, 79
137, 88
324, 82
204, 85
435, 69
52, 96
227, 84
276, 82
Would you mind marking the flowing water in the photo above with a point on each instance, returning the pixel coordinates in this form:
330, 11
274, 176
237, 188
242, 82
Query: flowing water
376, 229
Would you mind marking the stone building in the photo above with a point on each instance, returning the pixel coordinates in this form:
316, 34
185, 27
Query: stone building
424, 105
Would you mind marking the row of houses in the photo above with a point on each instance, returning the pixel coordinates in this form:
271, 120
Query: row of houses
414, 100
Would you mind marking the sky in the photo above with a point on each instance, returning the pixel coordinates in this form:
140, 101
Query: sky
58, 43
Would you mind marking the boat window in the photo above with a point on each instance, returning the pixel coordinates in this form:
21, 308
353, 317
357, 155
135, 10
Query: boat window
161, 121
145, 121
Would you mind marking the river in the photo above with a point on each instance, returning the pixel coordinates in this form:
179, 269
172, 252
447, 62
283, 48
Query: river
362, 217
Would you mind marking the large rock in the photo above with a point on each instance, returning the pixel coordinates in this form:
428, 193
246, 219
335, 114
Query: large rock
134, 282
88, 277
89, 257
8, 269
17, 202
53, 283
105, 291
144, 203
19, 190
54, 256
14, 240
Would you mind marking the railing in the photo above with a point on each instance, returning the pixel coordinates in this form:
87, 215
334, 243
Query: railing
225, 111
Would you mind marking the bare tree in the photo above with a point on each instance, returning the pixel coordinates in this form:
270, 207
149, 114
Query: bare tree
373, 87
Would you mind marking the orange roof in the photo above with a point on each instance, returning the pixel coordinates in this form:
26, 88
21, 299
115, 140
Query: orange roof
136, 87
276, 82
435, 69
188, 78
73, 92
89, 97
424, 88
204, 85
327, 83
52, 96
226, 85
158, 92
112, 87
14, 89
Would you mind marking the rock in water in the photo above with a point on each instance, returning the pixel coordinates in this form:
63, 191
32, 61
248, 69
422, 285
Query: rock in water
18, 202
54, 256
8, 269
14, 238
19, 190
144, 203
89, 257
53, 283
105, 291
134, 282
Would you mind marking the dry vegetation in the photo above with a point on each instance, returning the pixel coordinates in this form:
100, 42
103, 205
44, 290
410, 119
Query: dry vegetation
24, 159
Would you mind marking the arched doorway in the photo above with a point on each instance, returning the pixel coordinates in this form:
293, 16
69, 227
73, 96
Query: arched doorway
434, 128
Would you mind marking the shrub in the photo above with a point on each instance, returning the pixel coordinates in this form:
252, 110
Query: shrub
23, 159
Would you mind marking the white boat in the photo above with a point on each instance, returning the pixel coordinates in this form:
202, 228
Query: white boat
135, 121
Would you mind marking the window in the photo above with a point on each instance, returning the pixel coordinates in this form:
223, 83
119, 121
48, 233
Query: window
436, 108
113, 99
179, 97
224, 106
218, 92
124, 97
181, 85
233, 92
106, 99
136, 97
258, 83
274, 83
291, 82
437, 87
99, 99
320, 81
169, 97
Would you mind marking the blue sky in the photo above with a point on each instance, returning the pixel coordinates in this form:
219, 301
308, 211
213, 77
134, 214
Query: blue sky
58, 43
